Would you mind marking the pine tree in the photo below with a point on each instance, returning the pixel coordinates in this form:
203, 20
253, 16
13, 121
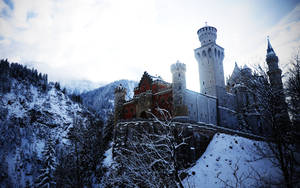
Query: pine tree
46, 179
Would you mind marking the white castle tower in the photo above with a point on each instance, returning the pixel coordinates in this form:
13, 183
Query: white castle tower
179, 86
210, 61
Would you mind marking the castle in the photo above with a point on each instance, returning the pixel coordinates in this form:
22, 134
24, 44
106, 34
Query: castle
216, 104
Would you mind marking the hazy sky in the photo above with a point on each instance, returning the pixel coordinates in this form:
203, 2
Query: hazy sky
107, 40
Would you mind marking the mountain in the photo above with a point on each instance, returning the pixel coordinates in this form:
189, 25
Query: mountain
32, 112
79, 86
101, 100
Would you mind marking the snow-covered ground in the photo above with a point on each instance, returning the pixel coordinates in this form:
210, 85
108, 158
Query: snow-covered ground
227, 155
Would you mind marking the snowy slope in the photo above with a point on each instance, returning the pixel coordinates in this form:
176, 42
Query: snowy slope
28, 116
102, 99
225, 155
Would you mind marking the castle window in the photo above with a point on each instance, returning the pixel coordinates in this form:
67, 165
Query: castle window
215, 53
203, 53
179, 75
179, 87
203, 82
218, 53
209, 52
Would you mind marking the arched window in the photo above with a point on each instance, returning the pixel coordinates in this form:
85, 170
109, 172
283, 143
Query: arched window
203, 53
209, 52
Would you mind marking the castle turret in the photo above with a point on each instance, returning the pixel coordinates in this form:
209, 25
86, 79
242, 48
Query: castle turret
179, 86
210, 61
274, 71
274, 74
120, 93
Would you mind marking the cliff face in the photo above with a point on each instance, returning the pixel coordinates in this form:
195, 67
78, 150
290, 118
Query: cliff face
29, 116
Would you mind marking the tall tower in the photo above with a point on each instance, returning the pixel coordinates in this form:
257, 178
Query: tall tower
210, 62
178, 88
274, 73
120, 93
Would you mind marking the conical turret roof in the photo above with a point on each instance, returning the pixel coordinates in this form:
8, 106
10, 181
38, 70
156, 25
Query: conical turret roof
270, 49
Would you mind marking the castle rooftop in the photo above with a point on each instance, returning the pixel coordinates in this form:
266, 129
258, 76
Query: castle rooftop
207, 34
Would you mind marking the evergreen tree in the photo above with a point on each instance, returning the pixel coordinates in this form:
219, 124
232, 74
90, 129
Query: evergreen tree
46, 179
82, 167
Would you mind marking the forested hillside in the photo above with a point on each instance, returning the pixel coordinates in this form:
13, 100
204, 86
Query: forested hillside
45, 137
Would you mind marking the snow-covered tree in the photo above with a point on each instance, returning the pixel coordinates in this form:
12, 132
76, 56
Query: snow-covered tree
46, 178
147, 157
274, 112
293, 94
79, 166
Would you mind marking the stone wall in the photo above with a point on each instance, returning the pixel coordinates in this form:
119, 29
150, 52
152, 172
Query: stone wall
199, 136
201, 108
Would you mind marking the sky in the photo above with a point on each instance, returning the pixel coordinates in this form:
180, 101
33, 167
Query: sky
107, 40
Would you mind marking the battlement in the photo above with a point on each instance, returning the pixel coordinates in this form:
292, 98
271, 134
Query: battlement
207, 34
178, 67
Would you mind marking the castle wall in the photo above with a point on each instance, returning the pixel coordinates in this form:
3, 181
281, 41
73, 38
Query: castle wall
129, 110
201, 108
227, 117
229, 101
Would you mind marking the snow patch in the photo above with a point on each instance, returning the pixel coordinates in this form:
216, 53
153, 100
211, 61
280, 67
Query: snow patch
108, 160
223, 156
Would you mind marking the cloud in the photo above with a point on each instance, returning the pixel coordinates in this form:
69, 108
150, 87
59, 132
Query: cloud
106, 40
85, 38
9, 3
284, 37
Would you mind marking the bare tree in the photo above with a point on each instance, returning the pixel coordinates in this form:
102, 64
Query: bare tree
293, 96
273, 108
239, 178
148, 157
